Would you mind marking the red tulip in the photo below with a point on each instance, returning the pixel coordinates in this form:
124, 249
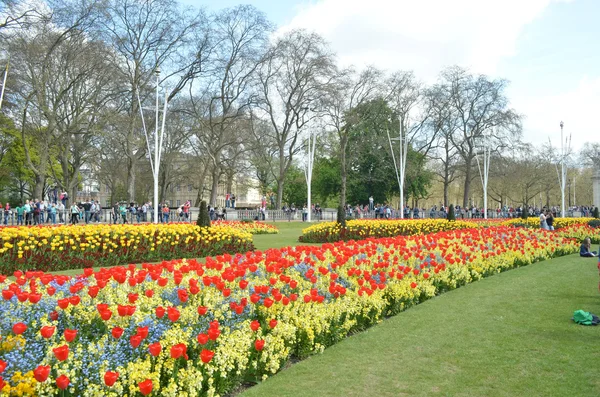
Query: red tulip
173, 314
61, 352
19, 328
63, 303
259, 344
34, 298
41, 373
88, 271
206, 356
110, 378
268, 302
160, 312
273, 323
254, 325
53, 315
254, 298
202, 310
93, 291
2, 366
203, 339
74, 300
70, 334
413, 285
117, 332
243, 284
182, 295
155, 349
179, 350
132, 297
2, 383
62, 382
213, 333
122, 310
149, 293
143, 332
7, 294
105, 315
47, 331
145, 387
135, 340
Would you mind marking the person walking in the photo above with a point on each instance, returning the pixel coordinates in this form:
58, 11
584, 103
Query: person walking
27, 212
74, 214
543, 223
20, 211
165, 213
6, 213
550, 220
53, 213
60, 208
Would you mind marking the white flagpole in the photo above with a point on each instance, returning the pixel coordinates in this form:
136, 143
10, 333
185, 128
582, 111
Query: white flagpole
4, 83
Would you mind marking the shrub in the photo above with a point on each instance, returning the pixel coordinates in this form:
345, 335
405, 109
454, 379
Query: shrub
451, 215
203, 217
595, 223
596, 213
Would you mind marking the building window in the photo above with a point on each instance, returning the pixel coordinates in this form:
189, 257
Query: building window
189, 188
178, 188
106, 189
108, 202
172, 188
178, 203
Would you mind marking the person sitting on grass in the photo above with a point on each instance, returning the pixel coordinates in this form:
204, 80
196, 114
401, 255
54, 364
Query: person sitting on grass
584, 250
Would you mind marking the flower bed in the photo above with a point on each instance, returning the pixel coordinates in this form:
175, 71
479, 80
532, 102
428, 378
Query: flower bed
559, 223
75, 247
186, 327
361, 229
250, 227
580, 232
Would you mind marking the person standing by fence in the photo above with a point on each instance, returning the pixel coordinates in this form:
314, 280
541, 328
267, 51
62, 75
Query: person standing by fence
74, 214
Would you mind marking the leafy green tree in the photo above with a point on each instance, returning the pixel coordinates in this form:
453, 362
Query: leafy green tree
294, 190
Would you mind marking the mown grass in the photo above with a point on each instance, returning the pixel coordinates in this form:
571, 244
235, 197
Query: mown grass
507, 335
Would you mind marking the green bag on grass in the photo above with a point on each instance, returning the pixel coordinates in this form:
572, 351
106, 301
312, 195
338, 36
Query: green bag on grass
585, 318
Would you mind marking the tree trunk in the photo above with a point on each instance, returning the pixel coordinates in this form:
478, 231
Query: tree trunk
467, 186
343, 169
214, 187
280, 179
280, 193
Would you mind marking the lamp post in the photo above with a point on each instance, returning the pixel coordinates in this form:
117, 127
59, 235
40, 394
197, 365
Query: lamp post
308, 168
401, 167
4, 82
158, 141
487, 153
562, 171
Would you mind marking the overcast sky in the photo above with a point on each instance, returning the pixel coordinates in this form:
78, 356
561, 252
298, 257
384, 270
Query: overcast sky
548, 49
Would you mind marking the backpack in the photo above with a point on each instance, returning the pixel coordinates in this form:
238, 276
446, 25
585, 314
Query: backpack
585, 318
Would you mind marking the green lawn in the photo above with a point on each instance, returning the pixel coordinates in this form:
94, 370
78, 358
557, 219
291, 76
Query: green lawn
507, 335
288, 236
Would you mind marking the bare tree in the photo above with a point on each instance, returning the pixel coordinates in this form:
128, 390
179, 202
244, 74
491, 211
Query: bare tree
147, 36
294, 75
482, 110
241, 38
